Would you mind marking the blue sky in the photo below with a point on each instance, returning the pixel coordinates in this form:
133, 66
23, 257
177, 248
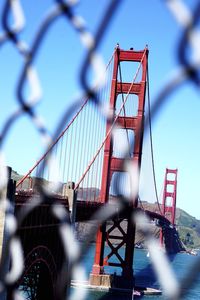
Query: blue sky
135, 24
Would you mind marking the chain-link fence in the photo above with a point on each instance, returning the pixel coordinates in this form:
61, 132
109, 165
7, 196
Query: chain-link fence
29, 94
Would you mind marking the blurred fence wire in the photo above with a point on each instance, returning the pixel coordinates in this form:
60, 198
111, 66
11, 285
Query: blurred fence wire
13, 20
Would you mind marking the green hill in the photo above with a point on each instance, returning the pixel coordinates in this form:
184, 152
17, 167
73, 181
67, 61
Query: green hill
188, 228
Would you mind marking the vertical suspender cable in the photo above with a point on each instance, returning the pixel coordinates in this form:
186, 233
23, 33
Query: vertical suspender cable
60, 160
64, 161
86, 142
77, 146
91, 144
70, 151
79, 142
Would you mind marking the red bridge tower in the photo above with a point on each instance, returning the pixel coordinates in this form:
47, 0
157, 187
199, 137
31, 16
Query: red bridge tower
169, 197
123, 252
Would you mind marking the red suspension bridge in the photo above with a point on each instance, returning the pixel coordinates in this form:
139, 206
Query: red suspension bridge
85, 165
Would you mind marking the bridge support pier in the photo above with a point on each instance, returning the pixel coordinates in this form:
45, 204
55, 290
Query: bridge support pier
104, 280
112, 281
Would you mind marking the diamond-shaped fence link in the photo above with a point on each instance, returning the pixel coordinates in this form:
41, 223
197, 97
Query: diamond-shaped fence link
13, 20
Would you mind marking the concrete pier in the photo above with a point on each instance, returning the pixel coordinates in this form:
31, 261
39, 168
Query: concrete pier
103, 280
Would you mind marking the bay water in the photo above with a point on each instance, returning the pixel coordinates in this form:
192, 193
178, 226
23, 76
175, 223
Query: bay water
145, 276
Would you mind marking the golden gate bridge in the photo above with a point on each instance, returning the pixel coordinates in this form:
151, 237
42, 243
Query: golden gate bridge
84, 170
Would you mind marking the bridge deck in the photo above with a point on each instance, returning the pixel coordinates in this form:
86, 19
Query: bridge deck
85, 210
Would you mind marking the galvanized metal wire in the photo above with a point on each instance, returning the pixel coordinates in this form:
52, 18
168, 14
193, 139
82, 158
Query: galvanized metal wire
188, 71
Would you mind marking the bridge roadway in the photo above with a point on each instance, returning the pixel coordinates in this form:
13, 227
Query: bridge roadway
85, 210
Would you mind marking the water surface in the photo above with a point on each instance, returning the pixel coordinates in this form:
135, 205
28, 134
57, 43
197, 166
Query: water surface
144, 275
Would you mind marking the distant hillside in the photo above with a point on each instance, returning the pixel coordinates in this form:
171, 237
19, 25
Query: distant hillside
188, 227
